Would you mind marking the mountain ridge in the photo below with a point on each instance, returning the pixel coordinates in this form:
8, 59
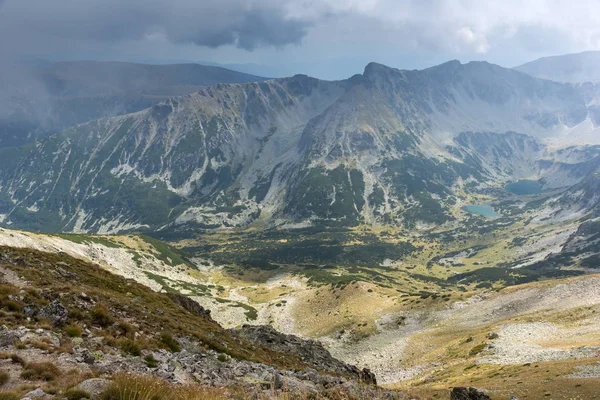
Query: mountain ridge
41, 100
382, 147
571, 68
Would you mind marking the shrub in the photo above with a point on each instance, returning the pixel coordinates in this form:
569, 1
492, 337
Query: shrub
16, 359
100, 316
73, 330
4, 378
222, 357
477, 349
131, 347
125, 328
151, 361
168, 342
43, 371
12, 306
9, 396
76, 394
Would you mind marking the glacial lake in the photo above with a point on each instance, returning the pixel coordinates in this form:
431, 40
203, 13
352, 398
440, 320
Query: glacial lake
481, 209
524, 186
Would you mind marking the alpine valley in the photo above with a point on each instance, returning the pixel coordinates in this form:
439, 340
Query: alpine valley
440, 227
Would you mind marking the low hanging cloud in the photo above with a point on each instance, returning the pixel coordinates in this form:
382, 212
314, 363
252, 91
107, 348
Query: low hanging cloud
75, 27
242, 23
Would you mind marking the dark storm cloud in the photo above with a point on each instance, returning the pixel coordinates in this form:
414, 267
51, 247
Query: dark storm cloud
243, 23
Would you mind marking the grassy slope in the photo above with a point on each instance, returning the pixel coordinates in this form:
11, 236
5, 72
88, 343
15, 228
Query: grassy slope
57, 275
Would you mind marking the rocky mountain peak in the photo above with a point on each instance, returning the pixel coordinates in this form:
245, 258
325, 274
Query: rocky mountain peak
375, 70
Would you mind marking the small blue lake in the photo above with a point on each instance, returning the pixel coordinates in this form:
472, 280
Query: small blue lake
523, 187
481, 209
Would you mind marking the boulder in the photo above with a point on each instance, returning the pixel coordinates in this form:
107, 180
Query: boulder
7, 337
94, 386
35, 394
55, 312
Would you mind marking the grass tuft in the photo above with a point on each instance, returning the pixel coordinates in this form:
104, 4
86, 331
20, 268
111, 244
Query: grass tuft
4, 378
167, 340
40, 371
76, 394
137, 387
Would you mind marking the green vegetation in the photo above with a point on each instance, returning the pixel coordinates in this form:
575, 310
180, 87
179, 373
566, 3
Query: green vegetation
168, 254
166, 340
151, 362
131, 347
101, 316
251, 312
272, 249
477, 349
85, 239
73, 330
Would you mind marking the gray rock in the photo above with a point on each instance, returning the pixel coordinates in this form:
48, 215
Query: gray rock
30, 310
35, 394
77, 341
7, 337
55, 312
311, 352
94, 386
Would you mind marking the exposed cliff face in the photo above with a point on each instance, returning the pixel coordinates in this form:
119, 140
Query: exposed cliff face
385, 147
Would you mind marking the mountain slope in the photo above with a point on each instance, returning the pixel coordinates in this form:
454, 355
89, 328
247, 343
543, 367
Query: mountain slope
572, 68
96, 78
45, 99
65, 320
384, 147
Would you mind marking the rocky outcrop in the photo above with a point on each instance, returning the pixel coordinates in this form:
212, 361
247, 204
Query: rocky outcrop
208, 367
190, 305
310, 351
55, 312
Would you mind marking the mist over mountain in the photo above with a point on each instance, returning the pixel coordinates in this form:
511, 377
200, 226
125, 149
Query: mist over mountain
571, 68
40, 98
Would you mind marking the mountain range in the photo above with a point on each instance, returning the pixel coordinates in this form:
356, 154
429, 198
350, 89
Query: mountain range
386, 147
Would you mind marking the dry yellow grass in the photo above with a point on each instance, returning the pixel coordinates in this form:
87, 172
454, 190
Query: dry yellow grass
546, 380
144, 387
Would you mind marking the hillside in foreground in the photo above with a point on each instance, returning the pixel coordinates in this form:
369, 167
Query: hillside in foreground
71, 329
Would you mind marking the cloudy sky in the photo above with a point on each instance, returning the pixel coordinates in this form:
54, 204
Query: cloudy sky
324, 38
